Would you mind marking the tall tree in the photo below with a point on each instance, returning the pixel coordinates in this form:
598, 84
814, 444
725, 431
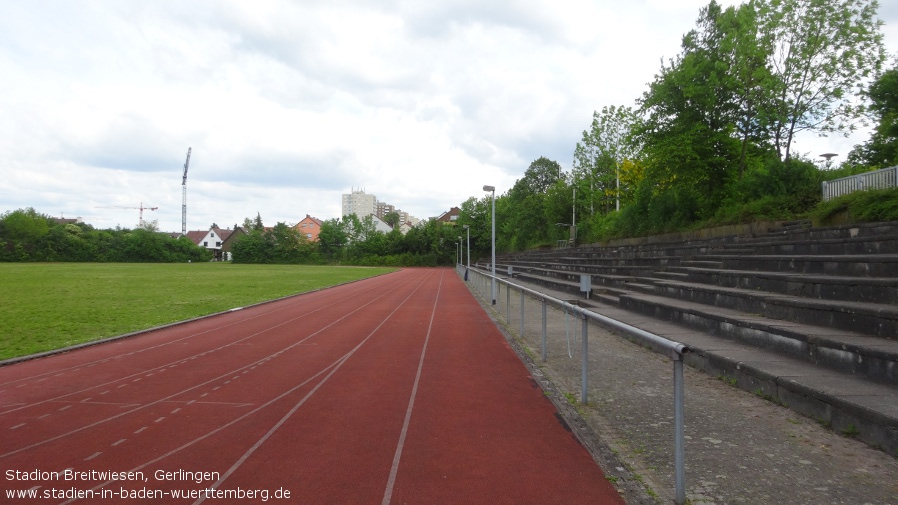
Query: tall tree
823, 54
602, 150
526, 223
745, 51
688, 132
882, 148
392, 219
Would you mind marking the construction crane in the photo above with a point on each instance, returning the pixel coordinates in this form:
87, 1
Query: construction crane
184, 195
141, 207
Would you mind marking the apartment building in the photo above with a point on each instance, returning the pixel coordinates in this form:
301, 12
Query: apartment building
359, 203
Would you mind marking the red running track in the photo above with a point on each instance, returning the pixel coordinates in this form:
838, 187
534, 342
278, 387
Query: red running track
396, 389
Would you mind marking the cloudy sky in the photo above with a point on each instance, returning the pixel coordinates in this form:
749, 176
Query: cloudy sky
289, 104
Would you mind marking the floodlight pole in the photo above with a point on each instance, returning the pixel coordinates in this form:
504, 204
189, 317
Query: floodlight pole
492, 190
468, 266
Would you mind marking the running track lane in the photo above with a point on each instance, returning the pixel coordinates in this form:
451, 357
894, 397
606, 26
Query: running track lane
397, 389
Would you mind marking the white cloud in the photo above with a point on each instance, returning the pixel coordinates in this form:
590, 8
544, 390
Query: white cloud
286, 105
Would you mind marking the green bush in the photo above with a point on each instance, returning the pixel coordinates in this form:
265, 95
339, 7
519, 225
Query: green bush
858, 207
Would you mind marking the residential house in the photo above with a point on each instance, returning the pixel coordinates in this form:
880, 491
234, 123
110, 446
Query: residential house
450, 216
228, 243
380, 225
309, 227
213, 239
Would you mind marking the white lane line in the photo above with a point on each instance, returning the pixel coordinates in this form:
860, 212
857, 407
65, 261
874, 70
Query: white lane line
400, 445
308, 395
176, 410
17, 426
159, 420
92, 456
66, 407
141, 429
118, 442
381, 293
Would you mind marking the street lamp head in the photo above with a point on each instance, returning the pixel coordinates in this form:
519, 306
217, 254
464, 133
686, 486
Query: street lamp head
489, 188
465, 226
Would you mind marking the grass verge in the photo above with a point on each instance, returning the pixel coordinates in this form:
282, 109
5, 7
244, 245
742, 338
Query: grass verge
45, 306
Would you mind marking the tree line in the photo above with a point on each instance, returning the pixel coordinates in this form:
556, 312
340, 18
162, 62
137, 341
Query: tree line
711, 140
27, 235
350, 240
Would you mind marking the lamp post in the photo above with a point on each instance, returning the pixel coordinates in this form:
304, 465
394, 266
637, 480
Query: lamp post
492, 190
468, 265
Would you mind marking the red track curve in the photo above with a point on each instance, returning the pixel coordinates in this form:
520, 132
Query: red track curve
396, 389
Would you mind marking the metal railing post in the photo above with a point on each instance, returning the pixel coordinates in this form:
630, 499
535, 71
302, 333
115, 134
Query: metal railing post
508, 305
585, 351
522, 313
544, 330
679, 432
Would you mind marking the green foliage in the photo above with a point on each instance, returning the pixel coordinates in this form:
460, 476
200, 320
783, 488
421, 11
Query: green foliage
881, 150
526, 214
281, 244
350, 241
600, 155
26, 235
24, 225
820, 53
523, 208
860, 206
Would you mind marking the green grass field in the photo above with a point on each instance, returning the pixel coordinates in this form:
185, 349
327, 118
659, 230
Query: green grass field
46, 306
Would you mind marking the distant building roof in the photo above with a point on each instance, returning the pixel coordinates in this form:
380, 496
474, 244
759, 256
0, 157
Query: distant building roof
449, 216
197, 236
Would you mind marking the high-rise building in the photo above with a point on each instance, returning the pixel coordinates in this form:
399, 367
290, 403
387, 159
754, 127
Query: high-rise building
383, 209
359, 203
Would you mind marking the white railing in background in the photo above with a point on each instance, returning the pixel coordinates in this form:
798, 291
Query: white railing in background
877, 179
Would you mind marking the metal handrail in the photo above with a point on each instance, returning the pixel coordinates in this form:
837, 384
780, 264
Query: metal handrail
674, 350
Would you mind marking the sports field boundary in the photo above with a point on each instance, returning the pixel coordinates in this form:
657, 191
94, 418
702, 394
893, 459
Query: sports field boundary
113, 338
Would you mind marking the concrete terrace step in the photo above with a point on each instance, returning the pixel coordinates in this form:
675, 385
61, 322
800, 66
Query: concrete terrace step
845, 351
875, 319
817, 286
860, 265
887, 244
